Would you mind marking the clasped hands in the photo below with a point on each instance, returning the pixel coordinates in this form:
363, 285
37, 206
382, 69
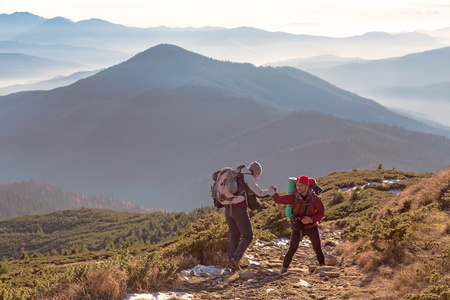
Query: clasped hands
306, 220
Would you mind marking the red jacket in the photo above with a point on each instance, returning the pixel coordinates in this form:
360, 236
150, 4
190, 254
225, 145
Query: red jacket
315, 214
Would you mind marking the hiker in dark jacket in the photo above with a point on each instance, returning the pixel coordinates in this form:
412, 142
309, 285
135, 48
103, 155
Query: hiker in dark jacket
306, 210
238, 220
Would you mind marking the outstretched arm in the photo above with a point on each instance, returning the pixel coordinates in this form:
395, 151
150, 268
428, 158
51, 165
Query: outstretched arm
251, 183
286, 199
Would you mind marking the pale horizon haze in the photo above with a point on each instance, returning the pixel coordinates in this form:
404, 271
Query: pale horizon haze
319, 17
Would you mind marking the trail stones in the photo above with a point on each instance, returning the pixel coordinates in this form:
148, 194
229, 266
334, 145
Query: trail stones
245, 275
323, 269
330, 244
262, 279
329, 274
330, 260
302, 283
274, 263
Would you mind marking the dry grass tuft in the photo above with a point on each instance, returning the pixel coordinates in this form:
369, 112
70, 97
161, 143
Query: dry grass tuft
369, 261
347, 249
329, 226
101, 284
424, 192
104, 284
408, 280
185, 261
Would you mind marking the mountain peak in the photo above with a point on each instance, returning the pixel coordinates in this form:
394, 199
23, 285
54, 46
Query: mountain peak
58, 21
166, 48
21, 14
166, 54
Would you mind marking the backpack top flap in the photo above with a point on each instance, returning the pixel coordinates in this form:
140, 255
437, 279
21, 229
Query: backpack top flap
223, 185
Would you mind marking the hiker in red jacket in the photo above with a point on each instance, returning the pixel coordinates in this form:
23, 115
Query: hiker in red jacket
307, 210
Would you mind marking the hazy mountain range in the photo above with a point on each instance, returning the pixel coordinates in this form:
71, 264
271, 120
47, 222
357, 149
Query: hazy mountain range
153, 128
248, 44
50, 84
16, 65
417, 82
101, 44
96, 44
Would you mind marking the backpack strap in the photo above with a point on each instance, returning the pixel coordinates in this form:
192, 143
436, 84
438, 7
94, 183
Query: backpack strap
240, 178
239, 169
305, 205
313, 200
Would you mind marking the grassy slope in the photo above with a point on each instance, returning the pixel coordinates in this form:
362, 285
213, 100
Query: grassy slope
402, 242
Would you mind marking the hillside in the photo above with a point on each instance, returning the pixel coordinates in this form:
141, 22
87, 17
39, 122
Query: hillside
13, 204
125, 131
171, 67
395, 223
31, 197
89, 229
99, 227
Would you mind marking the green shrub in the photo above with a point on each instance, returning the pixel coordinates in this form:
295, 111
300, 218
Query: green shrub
444, 200
3, 269
435, 293
24, 255
205, 240
7, 293
338, 198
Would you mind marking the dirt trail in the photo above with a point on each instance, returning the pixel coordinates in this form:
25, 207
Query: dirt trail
340, 279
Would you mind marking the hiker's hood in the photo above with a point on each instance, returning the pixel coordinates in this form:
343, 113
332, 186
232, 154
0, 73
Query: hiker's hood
245, 170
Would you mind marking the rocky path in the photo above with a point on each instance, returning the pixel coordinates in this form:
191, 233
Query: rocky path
261, 279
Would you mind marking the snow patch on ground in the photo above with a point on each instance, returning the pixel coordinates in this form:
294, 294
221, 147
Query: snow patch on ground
159, 296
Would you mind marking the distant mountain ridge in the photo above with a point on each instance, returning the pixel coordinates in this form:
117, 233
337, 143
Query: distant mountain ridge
169, 66
247, 44
101, 44
17, 23
152, 129
436, 91
415, 81
31, 197
15, 65
47, 84
410, 70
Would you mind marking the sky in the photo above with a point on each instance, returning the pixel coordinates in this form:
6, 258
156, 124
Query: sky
335, 18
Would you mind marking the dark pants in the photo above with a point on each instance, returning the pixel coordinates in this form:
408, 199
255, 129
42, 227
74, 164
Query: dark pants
296, 237
241, 233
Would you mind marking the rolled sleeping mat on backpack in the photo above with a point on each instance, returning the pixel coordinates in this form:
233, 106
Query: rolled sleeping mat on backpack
291, 188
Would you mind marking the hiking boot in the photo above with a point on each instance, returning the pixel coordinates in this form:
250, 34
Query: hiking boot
283, 270
235, 264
